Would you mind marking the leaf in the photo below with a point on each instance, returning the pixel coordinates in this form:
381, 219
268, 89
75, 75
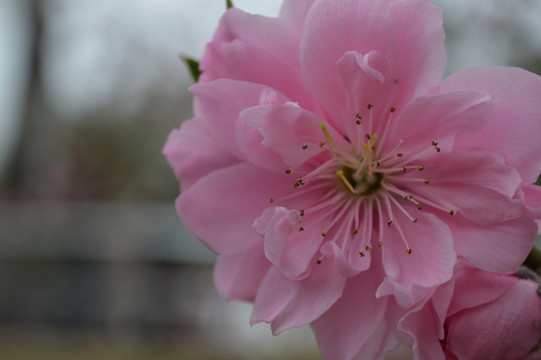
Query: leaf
228, 4
193, 66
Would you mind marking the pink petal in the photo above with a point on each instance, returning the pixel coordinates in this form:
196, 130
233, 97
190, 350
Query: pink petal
237, 60
507, 328
193, 153
218, 103
498, 247
439, 118
514, 128
367, 26
222, 206
285, 130
290, 250
464, 168
353, 320
532, 199
295, 11
364, 80
474, 287
289, 303
275, 36
419, 35
238, 276
431, 263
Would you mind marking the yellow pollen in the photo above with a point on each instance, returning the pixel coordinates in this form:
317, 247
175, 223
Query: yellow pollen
421, 167
408, 251
427, 181
318, 261
404, 168
380, 243
321, 144
355, 231
367, 248
332, 145
451, 212
301, 212
301, 229
419, 206
389, 223
393, 110
323, 234
370, 106
361, 253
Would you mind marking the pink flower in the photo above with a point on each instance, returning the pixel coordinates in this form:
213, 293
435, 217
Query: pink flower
325, 150
477, 315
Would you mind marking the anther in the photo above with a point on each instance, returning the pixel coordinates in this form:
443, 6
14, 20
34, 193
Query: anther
393, 110
380, 243
271, 200
301, 212
437, 149
358, 116
421, 167
355, 231
358, 122
404, 168
318, 261
361, 253
323, 233
288, 171
399, 154
451, 212
389, 223
378, 164
419, 206
368, 137
370, 106
321, 144
305, 146
367, 248
405, 197
296, 185
301, 229
414, 221
434, 143
408, 251
427, 181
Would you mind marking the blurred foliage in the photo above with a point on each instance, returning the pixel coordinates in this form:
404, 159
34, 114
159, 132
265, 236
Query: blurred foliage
193, 66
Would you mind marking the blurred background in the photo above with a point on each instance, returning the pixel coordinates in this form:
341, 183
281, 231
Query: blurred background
94, 263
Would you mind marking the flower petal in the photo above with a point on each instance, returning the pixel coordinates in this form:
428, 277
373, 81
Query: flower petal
285, 130
514, 128
237, 60
193, 153
431, 262
439, 118
238, 276
275, 36
498, 247
224, 201
368, 27
295, 11
289, 303
507, 328
353, 320
420, 37
218, 105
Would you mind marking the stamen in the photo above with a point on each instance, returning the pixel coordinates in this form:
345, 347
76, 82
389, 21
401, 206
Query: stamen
288, 171
321, 144
271, 200
301, 229
323, 233
343, 158
340, 174
318, 261
305, 146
